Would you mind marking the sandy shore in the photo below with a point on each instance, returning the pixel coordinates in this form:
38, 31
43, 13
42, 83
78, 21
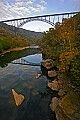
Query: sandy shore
14, 49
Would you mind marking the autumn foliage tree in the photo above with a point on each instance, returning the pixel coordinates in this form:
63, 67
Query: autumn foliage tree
8, 39
63, 43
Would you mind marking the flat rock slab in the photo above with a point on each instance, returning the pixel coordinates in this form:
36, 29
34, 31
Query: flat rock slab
54, 85
17, 97
54, 103
52, 73
70, 105
48, 63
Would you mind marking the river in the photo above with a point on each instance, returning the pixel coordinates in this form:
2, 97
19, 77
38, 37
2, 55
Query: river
22, 78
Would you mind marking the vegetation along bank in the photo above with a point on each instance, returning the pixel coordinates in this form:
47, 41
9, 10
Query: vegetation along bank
62, 45
16, 38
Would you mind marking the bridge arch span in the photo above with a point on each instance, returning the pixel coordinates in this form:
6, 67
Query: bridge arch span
23, 22
50, 19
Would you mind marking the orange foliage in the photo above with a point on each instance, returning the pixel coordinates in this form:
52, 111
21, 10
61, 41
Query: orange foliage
65, 59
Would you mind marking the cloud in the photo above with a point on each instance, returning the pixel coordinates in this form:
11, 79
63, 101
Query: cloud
24, 3
19, 8
43, 2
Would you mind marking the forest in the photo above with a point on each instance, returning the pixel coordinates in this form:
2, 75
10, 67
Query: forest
62, 44
17, 37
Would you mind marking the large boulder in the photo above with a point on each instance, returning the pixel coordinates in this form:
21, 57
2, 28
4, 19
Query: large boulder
52, 73
62, 93
60, 115
67, 108
48, 63
54, 103
17, 97
69, 104
54, 85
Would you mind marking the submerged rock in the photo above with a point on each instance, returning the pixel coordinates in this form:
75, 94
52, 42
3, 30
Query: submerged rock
17, 97
38, 75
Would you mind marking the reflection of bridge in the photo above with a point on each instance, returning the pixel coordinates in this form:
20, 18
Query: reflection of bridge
50, 19
25, 62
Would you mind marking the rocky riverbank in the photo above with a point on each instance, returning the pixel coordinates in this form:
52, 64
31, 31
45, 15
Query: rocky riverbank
67, 105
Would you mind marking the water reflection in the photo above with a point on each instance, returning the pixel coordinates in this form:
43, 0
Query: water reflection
33, 107
37, 95
34, 60
8, 57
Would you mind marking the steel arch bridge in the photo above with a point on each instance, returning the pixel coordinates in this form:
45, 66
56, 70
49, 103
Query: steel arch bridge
50, 19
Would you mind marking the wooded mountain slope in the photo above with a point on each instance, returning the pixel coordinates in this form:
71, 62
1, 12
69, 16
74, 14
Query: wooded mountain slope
11, 37
62, 43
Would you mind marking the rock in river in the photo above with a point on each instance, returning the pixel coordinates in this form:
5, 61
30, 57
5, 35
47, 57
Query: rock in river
48, 63
52, 73
54, 103
38, 75
54, 85
17, 97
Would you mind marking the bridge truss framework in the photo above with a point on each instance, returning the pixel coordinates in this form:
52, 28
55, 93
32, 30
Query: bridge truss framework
50, 19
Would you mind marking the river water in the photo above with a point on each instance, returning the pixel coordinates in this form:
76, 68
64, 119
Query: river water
22, 78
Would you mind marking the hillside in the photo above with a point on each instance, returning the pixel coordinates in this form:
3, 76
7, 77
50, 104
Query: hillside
61, 48
16, 37
63, 44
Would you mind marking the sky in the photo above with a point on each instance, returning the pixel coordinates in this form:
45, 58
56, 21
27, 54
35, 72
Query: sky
12, 9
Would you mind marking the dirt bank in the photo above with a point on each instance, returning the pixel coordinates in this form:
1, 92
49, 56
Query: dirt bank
14, 49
